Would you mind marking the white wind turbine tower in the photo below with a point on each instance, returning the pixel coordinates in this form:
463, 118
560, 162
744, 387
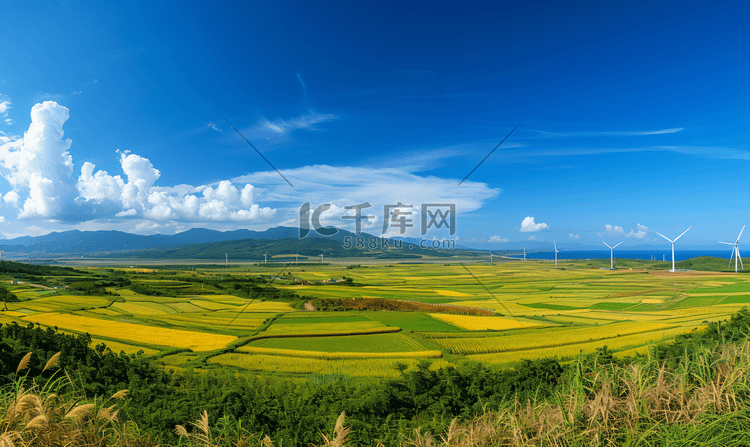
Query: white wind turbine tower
612, 254
265, 257
524, 253
490, 256
736, 251
673, 241
556, 252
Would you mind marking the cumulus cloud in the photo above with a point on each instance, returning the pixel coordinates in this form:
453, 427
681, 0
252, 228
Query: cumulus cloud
528, 225
532, 237
498, 239
39, 168
614, 230
573, 236
39, 165
640, 234
139, 196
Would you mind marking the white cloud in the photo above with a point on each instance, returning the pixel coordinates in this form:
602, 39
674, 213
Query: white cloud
528, 225
213, 126
9, 121
139, 195
39, 165
627, 133
343, 186
4, 106
532, 237
498, 239
640, 234
614, 230
281, 126
12, 198
573, 236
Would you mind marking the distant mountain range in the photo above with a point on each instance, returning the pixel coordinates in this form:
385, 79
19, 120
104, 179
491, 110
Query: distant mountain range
202, 243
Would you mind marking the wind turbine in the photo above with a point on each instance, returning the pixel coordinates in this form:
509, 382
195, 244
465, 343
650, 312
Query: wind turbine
524, 253
612, 255
735, 251
265, 257
490, 256
321, 258
673, 241
226, 262
556, 252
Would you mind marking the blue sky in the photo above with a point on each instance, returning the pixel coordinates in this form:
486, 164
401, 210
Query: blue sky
637, 116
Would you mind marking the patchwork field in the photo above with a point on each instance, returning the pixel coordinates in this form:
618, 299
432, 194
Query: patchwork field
226, 317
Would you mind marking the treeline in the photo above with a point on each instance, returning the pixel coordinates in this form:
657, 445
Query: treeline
295, 412
36, 270
344, 304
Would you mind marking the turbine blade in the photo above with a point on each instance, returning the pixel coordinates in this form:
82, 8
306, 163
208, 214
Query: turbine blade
738, 237
670, 240
726, 243
618, 244
607, 245
555, 246
675, 239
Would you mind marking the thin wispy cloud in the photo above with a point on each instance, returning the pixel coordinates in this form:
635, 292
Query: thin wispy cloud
533, 155
631, 133
307, 122
213, 126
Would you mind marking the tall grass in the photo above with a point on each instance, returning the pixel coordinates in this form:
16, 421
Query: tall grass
46, 414
704, 401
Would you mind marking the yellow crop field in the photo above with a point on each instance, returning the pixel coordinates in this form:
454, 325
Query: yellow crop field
549, 338
297, 365
229, 299
340, 355
573, 350
266, 306
450, 293
474, 323
175, 338
63, 302
213, 305
105, 311
184, 307
140, 309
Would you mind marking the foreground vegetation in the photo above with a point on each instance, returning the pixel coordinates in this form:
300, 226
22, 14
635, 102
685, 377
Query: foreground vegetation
692, 391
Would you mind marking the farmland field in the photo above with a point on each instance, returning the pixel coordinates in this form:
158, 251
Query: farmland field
231, 318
